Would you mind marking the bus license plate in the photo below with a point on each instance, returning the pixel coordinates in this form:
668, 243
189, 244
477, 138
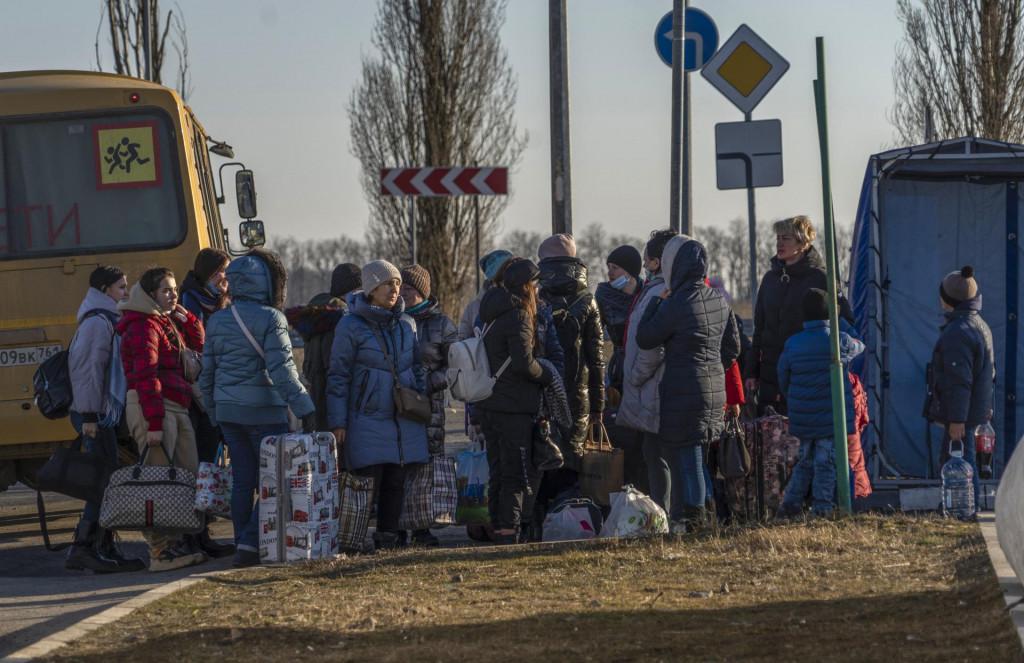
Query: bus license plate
28, 356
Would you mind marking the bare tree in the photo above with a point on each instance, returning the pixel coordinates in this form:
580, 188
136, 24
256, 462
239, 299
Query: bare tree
440, 92
311, 262
123, 19
963, 60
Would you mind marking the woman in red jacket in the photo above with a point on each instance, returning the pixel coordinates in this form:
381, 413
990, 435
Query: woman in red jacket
156, 334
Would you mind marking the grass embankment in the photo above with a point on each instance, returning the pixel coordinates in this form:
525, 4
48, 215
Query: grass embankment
863, 589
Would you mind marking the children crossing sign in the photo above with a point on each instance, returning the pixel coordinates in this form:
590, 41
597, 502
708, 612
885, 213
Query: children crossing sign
126, 156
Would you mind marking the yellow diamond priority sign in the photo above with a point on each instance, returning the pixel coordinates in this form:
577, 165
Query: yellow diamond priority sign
745, 69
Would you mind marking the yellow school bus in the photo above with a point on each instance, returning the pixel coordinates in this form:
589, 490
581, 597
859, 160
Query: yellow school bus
95, 169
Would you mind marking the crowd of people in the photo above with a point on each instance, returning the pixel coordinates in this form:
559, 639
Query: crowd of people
656, 354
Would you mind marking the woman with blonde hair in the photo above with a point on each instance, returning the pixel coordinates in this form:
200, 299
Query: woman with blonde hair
796, 268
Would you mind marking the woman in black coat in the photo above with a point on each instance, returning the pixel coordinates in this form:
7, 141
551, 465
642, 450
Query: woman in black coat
507, 415
690, 320
796, 268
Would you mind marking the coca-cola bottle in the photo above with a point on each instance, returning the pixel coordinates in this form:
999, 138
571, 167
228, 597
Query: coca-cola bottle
985, 446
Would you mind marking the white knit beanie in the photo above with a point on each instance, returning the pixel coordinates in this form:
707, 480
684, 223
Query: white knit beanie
378, 272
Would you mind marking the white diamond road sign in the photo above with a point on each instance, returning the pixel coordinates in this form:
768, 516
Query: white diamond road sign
745, 69
748, 154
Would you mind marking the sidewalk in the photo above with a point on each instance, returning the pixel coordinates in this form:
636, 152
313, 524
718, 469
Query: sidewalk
1013, 590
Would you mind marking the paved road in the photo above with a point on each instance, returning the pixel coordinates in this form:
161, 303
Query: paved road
38, 597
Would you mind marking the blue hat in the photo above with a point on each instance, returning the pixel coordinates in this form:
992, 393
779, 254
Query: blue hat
492, 262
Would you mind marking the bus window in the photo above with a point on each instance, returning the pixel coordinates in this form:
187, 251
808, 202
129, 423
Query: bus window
88, 184
206, 187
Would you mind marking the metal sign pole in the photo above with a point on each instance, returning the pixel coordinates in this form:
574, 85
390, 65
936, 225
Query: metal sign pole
412, 229
476, 230
686, 208
678, 38
147, 39
752, 226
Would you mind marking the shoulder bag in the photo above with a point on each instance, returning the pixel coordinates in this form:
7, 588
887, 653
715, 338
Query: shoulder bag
409, 403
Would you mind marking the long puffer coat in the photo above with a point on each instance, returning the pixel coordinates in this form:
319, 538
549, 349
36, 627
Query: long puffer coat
640, 408
434, 333
238, 385
615, 306
778, 314
360, 385
690, 324
962, 375
511, 336
563, 283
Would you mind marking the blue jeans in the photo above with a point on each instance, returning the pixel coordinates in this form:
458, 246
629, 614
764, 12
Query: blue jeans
244, 444
686, 467
103, 445
816, 469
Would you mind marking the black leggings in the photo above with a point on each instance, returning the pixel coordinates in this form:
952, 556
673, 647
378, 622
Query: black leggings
388, 492
514, 480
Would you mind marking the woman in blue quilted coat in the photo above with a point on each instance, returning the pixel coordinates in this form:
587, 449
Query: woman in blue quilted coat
375, 342
249, 381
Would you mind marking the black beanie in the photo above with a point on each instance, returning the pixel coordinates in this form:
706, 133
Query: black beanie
815, 305
346, 278
628, 258
519, 272
105, 276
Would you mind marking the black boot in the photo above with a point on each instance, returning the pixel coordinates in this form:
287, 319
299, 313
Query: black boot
82, 554
107, 547
213, 548
424, 538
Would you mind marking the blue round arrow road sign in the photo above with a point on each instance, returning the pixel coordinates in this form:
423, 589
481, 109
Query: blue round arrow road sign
701, 39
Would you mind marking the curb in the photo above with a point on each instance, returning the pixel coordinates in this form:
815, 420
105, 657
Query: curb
55, 641
1013, 590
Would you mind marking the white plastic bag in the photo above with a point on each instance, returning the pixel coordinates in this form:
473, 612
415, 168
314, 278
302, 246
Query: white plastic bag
572, 520
634, 515
1010, 511
213, 487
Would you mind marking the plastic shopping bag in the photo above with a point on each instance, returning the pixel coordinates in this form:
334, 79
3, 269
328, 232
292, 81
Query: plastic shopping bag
634, 515
430, 495
572, 520
213, 486
471, 477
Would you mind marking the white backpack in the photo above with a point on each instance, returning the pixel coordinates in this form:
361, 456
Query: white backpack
469, 371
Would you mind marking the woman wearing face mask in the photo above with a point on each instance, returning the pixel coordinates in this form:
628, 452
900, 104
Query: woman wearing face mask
615, 299
89, 359
204, 290
372, 345
155, 329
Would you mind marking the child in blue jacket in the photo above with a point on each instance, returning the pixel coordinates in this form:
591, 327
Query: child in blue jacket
805, 380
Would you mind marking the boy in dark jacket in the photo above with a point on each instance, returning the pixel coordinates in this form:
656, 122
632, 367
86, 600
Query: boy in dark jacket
805, 381
962, 372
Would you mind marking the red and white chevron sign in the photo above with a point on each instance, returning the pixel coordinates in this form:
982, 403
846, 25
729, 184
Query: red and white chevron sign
434, 182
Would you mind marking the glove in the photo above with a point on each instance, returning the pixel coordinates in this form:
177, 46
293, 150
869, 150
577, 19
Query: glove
309, 423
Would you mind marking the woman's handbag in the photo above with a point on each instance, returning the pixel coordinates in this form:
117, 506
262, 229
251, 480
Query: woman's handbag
80, 474
546, 454
409, 403
148, 497
191, 361
734, 460
602, 472
213, 486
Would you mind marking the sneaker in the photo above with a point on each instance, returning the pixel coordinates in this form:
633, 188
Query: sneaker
423, 537
108, 548
174, 557
245, 558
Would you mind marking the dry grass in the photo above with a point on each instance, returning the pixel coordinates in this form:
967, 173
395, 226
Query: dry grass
864, 589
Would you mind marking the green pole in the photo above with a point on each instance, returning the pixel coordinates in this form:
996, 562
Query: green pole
836, 368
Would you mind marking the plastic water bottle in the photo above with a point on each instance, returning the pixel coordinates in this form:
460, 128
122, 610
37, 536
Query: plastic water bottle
985, 445
957, 484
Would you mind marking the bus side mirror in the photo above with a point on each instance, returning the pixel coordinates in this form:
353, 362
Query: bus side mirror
252, 234
245, 194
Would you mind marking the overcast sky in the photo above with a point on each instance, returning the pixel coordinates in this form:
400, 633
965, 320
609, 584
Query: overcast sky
273, 79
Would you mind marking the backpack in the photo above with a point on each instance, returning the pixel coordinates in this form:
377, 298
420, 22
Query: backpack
469, 371
52, 380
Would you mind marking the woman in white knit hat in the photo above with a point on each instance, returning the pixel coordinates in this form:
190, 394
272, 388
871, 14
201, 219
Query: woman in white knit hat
372, 345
